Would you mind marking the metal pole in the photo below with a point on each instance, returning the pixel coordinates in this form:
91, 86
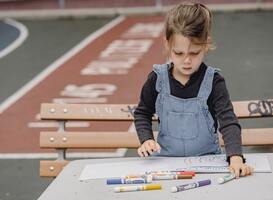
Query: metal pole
61, 4
158, 3
61, 152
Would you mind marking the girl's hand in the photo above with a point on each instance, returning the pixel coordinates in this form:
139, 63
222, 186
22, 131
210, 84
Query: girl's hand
238, 167
147, 148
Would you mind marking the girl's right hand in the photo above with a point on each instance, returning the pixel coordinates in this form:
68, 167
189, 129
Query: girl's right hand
148, 147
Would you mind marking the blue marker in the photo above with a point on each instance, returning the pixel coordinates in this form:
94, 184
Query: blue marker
190, 186
129, 180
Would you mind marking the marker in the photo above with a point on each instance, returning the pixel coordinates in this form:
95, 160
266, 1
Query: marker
226, 178
137, 188
186, 172
172, 172
190, 186
171, 176
134, 176
129, 180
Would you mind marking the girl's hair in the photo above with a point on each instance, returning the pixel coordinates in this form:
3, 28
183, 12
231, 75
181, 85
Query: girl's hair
192, 20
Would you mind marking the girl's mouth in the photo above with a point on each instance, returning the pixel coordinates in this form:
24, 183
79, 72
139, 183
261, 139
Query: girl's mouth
187, 68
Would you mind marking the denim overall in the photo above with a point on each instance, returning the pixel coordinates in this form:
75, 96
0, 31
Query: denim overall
186, 126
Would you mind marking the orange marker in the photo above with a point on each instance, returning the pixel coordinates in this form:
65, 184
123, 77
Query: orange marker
186, 172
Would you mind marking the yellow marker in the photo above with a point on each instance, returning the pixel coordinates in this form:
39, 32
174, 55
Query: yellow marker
137, 188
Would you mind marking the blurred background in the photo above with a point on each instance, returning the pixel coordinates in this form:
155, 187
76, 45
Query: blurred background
47, 53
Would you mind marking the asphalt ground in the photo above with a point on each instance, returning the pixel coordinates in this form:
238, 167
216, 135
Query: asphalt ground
244, 54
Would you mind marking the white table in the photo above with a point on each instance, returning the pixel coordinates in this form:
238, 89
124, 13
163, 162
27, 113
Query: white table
68, 187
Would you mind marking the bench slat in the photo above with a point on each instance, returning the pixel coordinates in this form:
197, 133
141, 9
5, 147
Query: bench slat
50, 168
250, 137
104, 112
98, 112
89, 140
253, 108
256, 137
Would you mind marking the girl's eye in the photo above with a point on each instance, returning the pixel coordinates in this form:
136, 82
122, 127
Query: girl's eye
194, 53
178, 53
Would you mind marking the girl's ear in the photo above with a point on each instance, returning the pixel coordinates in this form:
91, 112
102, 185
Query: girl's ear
166, 44
206, 48
167, 48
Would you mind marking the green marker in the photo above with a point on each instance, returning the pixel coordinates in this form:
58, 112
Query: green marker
226, 178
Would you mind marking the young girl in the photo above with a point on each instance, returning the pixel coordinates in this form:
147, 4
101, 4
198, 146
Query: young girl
189, 97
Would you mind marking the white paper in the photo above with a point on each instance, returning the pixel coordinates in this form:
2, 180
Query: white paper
207, 164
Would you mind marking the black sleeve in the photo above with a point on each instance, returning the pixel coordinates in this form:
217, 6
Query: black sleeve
146, 108
229, 126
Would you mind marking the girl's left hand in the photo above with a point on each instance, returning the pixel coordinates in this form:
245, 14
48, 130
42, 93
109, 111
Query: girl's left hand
238, 167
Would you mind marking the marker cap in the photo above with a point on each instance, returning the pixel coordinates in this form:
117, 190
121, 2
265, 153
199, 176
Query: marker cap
184, 176
186, 172
205, 182
174, 189
220, 180
114, 181
149, 178
116, 189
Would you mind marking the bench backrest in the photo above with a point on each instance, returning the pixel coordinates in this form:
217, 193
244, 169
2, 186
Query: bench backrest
62, 139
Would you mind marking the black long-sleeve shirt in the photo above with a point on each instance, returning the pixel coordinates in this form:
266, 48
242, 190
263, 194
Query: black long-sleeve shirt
218, 102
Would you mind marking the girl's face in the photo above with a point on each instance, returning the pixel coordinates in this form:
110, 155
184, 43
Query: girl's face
185, 55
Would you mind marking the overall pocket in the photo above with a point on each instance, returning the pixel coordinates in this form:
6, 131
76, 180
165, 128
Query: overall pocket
182, 125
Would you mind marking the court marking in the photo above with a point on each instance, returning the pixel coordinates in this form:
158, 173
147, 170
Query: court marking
16, 43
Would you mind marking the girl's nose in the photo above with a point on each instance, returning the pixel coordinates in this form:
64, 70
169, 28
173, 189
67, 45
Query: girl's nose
187, 60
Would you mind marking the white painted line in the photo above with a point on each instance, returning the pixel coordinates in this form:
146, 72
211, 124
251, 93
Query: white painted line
56, 124
119, 153
23, 34
21, 92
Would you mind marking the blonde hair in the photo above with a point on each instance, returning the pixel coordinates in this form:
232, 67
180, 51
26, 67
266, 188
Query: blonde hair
192, 20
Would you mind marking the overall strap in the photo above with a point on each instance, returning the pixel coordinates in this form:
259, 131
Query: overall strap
162, 82
206, 85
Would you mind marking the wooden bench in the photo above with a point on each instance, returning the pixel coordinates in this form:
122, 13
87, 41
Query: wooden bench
62, 139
